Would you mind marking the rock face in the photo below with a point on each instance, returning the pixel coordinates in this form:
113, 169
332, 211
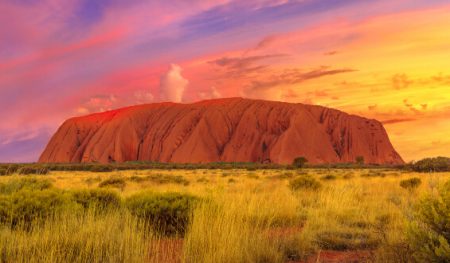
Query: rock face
228, 130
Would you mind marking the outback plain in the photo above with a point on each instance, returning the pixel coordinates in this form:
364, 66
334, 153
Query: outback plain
282, 214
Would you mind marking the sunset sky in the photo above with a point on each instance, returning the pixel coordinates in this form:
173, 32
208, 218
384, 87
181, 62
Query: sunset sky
386, 59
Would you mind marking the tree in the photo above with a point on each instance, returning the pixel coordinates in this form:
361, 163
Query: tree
360, 160
299, 162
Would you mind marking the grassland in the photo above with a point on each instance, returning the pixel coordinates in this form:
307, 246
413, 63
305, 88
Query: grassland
238, 215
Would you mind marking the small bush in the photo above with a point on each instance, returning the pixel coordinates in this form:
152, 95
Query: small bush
136, 179
202, 180
429, 233
16, 185
299, 162
115, 182
373, 173
329, 177
437, 164
39, 170
167, 179
100, 199
168, 213
359, 160
285, 175
304, 183
410, 184
231, 180
25, 207
8, 169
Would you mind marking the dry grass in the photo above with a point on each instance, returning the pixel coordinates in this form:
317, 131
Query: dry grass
257, 218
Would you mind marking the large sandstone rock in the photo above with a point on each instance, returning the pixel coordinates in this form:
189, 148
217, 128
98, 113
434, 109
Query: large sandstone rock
228, 130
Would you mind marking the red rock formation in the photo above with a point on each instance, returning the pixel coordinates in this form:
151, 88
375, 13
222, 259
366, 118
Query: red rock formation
227, 130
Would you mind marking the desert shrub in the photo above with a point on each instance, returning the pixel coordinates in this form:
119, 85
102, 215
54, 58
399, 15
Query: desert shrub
436, 164
40, 170
304, 183
282, 176
115, 182
168, 213
202, 180
329, 177
16, 185
167, 179
100, 168
359, 160
8, 169
99, 199
26, 207
410, 184
3, 171
429, 233
373, 173
137, 179
299, 162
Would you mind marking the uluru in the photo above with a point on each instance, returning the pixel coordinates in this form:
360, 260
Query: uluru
221, 130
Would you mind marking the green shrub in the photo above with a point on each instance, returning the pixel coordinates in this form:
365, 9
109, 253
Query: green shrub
410, 184
429, 233
16, 185
8, 169
25, 207
115, 182
168, 213
304, 183
299, 162
39, 170
101, 168
100, 199
436, 164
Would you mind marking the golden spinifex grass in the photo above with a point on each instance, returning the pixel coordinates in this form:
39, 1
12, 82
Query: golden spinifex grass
113, 237
259, 216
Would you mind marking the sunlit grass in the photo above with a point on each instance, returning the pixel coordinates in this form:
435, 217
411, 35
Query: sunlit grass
256, 218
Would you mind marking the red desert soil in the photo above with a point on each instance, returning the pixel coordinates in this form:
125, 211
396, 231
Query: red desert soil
171, 250
167, 250
331, 256
227, 130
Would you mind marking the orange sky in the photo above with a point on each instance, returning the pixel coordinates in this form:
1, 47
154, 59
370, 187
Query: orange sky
394, 68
